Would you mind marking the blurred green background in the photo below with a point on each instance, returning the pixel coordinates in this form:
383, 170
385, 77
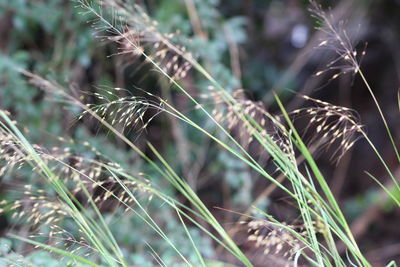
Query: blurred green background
259, 45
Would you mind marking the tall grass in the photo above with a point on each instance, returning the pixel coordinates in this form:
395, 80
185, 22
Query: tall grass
322, 224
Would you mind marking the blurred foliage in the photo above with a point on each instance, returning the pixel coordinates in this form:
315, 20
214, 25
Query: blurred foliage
52, 38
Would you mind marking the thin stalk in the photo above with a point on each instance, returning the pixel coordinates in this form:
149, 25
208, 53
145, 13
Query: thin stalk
380, 113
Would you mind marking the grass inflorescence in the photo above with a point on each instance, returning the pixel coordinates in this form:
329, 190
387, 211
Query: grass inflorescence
93, 193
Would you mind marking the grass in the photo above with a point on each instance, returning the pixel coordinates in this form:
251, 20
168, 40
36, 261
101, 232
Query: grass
322, 223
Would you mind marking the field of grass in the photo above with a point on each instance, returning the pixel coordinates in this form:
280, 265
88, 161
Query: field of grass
140, 133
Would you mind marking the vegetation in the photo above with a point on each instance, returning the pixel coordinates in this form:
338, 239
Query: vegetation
111, 174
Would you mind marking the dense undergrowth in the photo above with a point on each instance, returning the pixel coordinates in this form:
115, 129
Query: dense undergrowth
110, 195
